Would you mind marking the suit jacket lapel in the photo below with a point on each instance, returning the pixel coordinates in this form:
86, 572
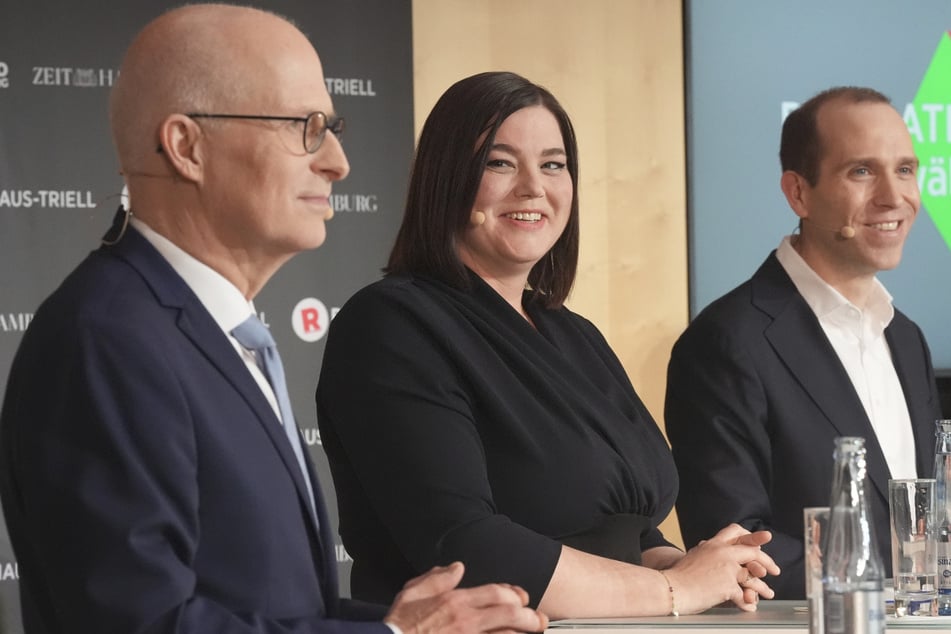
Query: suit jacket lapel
800, 342
198, 325
326, 546
905, 347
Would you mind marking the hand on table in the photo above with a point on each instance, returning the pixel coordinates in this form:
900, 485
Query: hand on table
433, 603
728, 567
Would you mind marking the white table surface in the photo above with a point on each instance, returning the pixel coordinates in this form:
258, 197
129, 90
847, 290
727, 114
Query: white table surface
773, 617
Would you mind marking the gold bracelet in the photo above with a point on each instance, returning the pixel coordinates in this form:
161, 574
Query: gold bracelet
670, 588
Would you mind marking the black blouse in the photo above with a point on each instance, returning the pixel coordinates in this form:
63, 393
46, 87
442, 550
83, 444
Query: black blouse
457, 431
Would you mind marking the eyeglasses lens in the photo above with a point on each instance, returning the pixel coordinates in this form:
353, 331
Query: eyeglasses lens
316, 128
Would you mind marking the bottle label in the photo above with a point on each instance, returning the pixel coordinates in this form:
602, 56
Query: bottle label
835, 609
854, 612
944, 567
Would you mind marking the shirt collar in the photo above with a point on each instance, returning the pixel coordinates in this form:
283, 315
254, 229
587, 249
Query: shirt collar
822, 298
222, 299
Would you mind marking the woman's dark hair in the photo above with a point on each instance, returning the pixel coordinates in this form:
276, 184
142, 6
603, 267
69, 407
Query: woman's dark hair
447, 170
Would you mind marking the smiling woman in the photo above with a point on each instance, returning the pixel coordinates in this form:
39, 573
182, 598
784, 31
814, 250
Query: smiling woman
524, 157
524, 200
454, 392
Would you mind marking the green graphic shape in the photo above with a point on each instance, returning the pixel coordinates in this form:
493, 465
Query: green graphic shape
930, 127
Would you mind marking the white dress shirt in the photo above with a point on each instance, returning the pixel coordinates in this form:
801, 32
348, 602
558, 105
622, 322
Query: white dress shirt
858, 337
222, 299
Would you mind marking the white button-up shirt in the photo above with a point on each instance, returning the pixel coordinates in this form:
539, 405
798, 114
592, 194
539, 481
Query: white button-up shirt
858, 337
222, 299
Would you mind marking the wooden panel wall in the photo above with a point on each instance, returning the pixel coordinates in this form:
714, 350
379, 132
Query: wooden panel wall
617, 67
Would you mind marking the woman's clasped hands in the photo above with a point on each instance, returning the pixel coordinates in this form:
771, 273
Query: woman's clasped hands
728, 567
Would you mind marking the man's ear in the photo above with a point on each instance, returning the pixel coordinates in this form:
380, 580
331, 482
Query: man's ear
796, 189
179, 137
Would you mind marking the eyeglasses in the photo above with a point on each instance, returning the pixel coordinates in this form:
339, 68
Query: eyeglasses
316, 125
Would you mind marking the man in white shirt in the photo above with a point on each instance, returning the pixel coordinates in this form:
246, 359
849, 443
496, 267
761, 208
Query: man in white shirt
151, 475
810, 348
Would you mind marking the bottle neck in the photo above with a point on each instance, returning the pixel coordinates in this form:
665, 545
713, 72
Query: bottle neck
852, 557
848, 481
942, 475
943, 437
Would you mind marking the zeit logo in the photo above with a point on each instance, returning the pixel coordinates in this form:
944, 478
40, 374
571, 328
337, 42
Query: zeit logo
79, 77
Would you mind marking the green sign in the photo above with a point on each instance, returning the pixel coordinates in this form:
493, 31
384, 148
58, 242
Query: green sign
929, 122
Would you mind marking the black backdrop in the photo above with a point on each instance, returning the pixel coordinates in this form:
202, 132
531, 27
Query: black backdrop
59, 182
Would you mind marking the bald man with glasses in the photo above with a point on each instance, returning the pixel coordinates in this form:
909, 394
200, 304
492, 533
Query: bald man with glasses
152, 476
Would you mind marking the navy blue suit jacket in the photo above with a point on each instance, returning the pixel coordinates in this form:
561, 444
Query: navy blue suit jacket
146, 482
755, 398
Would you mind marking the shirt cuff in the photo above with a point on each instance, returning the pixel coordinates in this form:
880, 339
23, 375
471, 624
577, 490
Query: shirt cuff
395, 628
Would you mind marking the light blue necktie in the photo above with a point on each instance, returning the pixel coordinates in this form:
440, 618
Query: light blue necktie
255, 336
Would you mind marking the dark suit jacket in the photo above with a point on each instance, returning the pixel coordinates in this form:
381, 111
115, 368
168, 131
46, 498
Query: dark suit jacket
146, 483
756, 396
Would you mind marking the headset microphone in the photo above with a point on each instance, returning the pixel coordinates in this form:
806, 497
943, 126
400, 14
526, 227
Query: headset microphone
477, 218
846, 232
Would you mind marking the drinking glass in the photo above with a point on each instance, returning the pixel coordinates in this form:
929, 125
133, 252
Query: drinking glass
911, 508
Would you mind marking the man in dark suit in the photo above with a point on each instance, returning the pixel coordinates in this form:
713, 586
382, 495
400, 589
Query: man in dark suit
147, 480
809, 348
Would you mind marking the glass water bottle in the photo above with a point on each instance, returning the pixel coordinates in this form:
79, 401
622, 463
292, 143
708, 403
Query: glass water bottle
853, 574
942, 474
